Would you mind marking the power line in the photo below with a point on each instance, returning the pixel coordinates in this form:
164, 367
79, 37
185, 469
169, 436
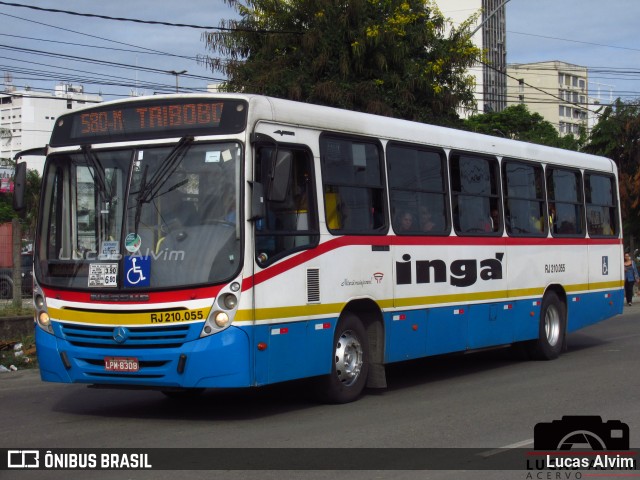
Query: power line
575, 41
95, 61
150, 22
106, 17
138, 49
81, 33
48, 40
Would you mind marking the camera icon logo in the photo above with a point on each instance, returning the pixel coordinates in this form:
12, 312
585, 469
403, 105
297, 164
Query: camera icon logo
581, 433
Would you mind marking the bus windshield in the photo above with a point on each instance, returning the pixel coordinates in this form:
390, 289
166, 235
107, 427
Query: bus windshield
141, 218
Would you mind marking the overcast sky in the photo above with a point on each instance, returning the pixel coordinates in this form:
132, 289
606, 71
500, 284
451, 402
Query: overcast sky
602, 36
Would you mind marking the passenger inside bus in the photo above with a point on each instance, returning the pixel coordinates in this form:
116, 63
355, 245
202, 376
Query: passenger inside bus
405, 222
426, 219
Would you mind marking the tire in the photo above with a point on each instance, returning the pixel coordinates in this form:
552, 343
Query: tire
552, 329
6, 289
350, 364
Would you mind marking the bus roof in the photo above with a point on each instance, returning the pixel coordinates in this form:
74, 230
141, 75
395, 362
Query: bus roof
325, 118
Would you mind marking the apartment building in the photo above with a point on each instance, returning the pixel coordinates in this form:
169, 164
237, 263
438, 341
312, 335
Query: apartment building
556, 90
27, 117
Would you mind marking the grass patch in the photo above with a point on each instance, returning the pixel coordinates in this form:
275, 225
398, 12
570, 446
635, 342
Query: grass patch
9, 309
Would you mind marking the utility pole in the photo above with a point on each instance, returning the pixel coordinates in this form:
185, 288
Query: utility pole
177, 74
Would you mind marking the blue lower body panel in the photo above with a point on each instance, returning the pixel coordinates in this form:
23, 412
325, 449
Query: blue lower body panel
439, 330
584, 310
220, 360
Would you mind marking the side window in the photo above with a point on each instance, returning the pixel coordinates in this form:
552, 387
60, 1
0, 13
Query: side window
417, 189
353, 186
475, 195
523, 187
53, 214
602, 208
290, 223
564, 191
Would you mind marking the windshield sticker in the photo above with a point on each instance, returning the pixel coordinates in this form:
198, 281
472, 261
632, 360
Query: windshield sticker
212, 157
103, 275
132, 242
109, 249
226, 155
137, 271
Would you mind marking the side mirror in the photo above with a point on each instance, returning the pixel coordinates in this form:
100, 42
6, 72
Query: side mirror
257, 201
19, 186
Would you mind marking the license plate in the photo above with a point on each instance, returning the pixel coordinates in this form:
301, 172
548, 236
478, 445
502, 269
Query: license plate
121, 364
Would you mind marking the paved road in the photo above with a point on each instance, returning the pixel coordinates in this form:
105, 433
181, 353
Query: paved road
484, 400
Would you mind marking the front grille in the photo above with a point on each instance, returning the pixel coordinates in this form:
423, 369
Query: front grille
172, 336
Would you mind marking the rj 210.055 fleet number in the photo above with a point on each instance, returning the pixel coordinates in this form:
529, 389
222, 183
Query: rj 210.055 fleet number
176, 316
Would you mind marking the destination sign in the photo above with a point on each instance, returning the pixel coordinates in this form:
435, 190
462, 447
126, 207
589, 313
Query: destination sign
147, 119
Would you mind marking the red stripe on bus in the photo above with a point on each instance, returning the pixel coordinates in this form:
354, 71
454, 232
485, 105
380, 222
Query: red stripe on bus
351, 241
154, 297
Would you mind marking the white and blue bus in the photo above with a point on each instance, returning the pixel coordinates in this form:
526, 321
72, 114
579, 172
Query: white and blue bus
196, 241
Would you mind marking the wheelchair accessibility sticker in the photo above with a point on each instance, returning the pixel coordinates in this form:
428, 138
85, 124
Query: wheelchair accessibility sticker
137, 271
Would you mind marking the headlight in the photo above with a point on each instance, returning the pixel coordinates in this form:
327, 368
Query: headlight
223, 310
230, 301
221, 319
42, 316
44, 319
39, 302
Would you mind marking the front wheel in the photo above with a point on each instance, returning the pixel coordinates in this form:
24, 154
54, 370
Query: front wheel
552, 328
350, 362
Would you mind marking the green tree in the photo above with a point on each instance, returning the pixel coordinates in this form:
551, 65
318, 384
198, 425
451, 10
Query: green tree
517, 122
388, 57
617, 136
32, 199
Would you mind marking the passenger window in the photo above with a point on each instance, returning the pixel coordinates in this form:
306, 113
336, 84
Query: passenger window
523, 187
417, 187
475, 195
564, 191
602, 209
353, 186
290, 223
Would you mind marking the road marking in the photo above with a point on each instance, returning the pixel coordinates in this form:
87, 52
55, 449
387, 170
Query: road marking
496, 451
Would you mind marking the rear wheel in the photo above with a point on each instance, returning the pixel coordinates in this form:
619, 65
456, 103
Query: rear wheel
552, 328
350, 363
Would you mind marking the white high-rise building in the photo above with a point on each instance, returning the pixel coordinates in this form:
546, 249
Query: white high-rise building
27, 117
491, 38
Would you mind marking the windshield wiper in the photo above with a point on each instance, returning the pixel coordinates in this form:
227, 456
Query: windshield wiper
150, 189
96, 171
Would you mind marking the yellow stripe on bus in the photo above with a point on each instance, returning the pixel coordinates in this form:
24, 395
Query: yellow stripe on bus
167, 317
334, 309
159, 317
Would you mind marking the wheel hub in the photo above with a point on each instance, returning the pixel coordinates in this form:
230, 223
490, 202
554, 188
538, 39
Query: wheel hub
349, 358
